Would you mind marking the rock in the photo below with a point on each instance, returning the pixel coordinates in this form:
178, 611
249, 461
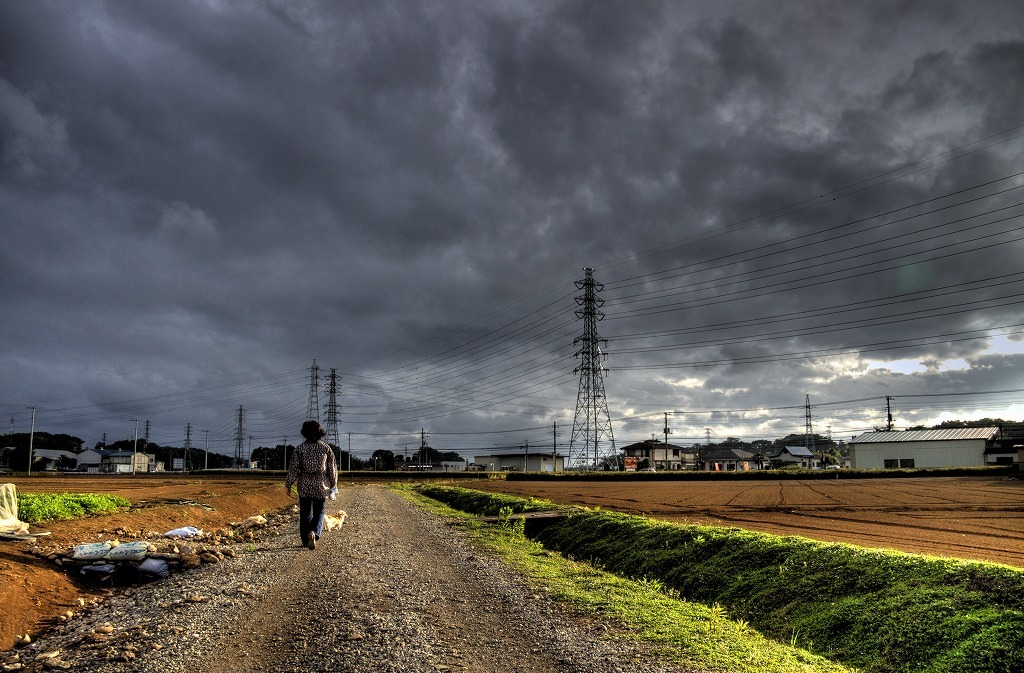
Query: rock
57, 665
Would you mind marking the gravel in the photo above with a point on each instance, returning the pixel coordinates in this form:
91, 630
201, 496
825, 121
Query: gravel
395, 590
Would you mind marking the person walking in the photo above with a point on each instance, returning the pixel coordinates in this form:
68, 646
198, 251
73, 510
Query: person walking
314, 471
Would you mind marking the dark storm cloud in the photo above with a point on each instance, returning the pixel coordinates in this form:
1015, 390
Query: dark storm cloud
198, 192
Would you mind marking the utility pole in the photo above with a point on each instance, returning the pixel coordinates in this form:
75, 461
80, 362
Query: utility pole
135, 444
206, 452
668, 431
350, 452
31, 437
888, 413
554, 440
423, 448
592, 420
285, 453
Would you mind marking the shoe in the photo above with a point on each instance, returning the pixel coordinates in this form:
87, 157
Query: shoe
311, 540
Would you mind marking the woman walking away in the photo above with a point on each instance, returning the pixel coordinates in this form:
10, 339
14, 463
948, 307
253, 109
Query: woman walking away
313, 469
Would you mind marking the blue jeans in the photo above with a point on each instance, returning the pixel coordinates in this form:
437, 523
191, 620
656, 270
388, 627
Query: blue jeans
311, 517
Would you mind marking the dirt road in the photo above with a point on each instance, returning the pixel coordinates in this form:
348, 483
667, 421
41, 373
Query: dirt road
396, 590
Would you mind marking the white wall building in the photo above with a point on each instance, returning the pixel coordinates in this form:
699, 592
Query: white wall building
954, 447
521, 462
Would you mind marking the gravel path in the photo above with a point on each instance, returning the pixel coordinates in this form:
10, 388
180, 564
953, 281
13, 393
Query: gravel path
395, 590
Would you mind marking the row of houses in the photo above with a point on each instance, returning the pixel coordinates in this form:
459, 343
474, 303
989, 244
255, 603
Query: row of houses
961, 447
101, 461
958, 447
652, 454
952, 447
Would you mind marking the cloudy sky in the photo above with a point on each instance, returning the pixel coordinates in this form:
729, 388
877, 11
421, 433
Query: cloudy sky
782, 201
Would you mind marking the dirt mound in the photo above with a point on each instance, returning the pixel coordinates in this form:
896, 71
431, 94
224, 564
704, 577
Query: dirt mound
34, 592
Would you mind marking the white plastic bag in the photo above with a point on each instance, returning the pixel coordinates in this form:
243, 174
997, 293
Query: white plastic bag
185, 531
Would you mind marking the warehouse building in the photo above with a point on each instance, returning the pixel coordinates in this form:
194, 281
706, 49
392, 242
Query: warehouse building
953, 447
519, 462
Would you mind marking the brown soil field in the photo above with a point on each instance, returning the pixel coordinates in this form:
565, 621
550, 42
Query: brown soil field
965, 517
977, 518
33, 592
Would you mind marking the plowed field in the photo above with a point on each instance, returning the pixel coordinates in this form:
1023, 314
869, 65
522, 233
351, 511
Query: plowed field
980, 518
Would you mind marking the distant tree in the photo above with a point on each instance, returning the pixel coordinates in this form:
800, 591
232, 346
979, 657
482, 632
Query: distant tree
17, 445
382, 459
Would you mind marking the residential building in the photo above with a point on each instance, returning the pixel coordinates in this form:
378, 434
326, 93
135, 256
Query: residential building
800, 456
659, 455
728, 460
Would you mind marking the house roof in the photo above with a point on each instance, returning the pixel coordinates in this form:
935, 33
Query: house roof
647, 444
727, 454
53, 454
796, 451
943, 435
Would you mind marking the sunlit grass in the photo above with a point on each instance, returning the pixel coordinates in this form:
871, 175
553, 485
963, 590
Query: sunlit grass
879, 610
682, 632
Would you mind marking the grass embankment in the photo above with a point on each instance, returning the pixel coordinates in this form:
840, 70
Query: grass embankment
876, 610
686, 633
40, 507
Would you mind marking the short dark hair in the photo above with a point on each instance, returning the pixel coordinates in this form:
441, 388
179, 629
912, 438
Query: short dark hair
312, 431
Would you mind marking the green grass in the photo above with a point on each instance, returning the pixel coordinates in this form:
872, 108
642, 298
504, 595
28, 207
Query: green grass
880, 611
485, 504
682, 632
40, 507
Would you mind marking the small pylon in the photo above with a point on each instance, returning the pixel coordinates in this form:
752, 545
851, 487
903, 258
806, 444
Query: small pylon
313, 408
332, 411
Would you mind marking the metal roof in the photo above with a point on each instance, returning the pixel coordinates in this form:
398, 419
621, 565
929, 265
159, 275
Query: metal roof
944, 435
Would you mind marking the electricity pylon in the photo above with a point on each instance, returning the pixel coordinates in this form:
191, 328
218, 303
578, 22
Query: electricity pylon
313, 408
592, 420
332, 412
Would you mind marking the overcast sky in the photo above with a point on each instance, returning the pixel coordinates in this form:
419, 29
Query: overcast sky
782, 200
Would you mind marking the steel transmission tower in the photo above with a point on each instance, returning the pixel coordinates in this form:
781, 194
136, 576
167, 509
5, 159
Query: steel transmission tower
592, 421
808, 427
239, 435
332, 412
188, 445
313, 408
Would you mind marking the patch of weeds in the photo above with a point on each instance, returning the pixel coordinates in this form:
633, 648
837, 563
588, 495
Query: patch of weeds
40, 507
